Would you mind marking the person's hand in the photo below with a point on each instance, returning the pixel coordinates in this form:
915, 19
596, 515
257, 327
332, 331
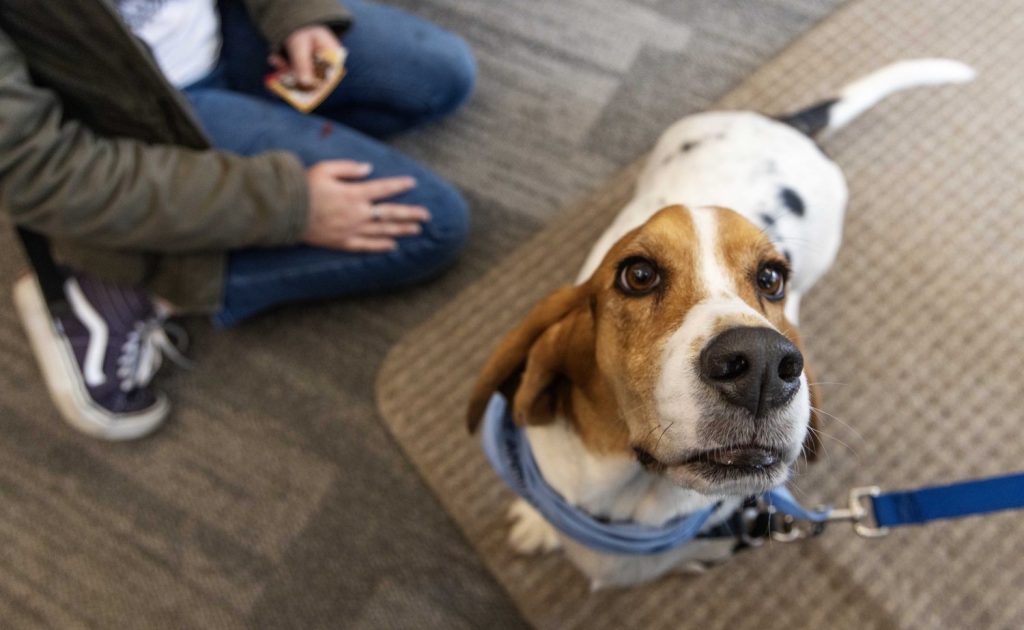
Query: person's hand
344, 213
302, 47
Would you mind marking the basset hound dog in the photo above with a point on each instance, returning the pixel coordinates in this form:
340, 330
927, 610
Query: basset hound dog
670, 377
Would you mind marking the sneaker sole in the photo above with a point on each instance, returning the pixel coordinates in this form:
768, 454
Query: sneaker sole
63, 379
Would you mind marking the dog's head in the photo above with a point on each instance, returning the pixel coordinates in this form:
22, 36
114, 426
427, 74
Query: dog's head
676, 350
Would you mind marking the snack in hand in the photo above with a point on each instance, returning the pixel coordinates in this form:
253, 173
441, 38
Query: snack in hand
329, 68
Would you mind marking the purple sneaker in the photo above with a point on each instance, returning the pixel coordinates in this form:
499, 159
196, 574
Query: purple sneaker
99, 359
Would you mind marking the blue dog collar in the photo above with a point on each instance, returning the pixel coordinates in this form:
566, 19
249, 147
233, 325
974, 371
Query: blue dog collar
508, 450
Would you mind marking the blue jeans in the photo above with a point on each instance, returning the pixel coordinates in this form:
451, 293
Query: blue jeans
402, 72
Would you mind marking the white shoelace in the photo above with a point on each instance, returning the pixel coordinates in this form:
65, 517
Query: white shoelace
144, 350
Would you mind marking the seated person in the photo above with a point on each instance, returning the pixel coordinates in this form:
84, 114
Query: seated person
142, 142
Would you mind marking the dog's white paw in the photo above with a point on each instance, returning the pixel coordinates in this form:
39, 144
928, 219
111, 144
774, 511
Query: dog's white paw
693, 567
531, 533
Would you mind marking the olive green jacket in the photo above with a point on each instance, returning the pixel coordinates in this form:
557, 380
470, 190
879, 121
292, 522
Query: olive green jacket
102, 155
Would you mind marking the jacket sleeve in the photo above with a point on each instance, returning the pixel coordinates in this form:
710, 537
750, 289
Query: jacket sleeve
65, 181
278, 18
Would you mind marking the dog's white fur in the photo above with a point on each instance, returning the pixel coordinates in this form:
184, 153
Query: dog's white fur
742, 161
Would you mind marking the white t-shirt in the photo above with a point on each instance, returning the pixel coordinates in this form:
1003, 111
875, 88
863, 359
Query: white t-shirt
184, 35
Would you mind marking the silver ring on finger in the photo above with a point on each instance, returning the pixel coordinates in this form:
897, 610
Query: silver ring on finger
375, 213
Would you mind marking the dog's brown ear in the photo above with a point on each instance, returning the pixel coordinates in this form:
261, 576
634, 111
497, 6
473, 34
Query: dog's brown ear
528, 362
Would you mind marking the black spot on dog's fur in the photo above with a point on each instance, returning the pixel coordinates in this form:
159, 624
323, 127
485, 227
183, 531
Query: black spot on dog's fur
689, 146
789, 257
768, 220
793, 202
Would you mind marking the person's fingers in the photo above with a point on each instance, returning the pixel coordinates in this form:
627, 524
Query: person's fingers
326, 40
300, 53
402, 212
344, 169
384, 187
370, 244
389, 228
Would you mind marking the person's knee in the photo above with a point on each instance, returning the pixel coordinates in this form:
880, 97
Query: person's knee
456, 72
448, 228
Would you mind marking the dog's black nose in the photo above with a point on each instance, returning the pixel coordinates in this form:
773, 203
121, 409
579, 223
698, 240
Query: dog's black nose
754, 368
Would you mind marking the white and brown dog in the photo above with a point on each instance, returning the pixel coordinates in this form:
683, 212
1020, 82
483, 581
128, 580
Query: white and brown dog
670, 378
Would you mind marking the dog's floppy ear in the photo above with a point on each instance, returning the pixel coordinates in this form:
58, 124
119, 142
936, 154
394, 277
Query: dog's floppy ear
528, 363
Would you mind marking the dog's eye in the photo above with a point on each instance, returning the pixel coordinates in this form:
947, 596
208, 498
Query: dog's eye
638, 276
771, 282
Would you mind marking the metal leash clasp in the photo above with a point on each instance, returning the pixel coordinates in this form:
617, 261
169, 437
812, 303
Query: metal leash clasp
762, 521
861, 513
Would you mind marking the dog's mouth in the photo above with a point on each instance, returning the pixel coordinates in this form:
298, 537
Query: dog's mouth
735, 461
730, 463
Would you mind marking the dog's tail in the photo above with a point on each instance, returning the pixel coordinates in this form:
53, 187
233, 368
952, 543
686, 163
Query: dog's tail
861, 95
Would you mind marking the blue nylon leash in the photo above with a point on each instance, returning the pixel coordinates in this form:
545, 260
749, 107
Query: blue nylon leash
776, 515
955, 500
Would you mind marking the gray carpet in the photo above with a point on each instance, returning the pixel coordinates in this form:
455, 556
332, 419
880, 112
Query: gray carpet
274, 497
